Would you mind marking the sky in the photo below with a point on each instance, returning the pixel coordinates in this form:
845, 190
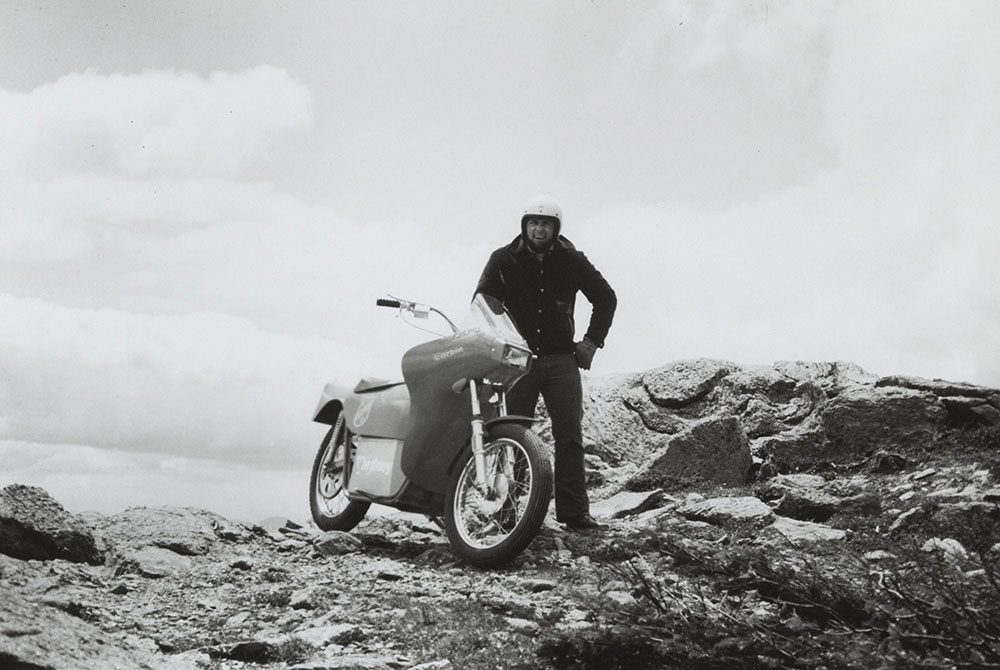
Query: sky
201, 201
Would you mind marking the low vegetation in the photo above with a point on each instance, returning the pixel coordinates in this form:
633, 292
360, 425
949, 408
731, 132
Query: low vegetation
928, 598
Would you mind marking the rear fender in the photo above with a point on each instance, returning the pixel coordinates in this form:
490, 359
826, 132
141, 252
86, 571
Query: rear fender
329, 407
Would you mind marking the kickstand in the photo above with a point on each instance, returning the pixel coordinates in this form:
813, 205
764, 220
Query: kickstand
436, 521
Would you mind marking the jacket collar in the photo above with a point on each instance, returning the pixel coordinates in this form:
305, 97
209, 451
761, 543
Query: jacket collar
519, 247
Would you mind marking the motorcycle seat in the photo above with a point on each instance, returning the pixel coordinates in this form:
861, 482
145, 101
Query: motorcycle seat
369, 384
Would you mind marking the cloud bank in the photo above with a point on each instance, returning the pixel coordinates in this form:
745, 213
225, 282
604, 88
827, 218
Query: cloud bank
879, 253
166, 308
194, 385
179, 278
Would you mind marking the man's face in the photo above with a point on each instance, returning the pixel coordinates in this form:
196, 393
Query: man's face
540, 231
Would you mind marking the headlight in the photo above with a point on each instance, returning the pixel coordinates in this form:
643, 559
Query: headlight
516, 357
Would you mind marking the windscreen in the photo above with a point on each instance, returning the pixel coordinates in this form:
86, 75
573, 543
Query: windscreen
487, 311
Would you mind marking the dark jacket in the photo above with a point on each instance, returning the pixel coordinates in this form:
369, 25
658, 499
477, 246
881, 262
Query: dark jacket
541, 295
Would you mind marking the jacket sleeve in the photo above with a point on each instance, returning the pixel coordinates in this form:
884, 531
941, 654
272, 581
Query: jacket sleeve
602, 298
491, 282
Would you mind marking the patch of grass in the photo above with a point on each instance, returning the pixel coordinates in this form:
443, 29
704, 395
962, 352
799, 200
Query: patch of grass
967, 445
275, 598
740, 606
727, 603
618, 649
292, 650
467, 633
258, 598
275, 574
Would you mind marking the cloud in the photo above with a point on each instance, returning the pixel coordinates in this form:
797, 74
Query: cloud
84, 478
695, 37
154, 123
759, 182
92, 156
170, 212
157, 300
199, 384
765, 181
713, 104
884, 257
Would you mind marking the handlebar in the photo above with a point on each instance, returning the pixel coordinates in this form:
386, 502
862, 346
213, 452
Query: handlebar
418, 310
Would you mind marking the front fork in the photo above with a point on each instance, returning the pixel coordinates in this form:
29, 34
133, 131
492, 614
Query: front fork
479, 436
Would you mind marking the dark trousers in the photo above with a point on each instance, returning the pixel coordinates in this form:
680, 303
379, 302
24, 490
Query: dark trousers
557, 379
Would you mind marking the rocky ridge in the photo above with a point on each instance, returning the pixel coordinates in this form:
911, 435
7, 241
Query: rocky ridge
795, 457
725, 423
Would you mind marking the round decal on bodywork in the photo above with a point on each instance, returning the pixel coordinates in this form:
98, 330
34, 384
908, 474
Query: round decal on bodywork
364, 411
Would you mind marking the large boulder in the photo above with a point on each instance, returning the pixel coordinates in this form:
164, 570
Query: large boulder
152, 562
677, 418
793, 450
812, 498
965, 404
34, 636
182, 530
729, 511
940, 387
683, 383
714, 450
965, 411
785, 531
627, 503
612, 430
33, 525
831, 376
674, 424
652, 418
862, 420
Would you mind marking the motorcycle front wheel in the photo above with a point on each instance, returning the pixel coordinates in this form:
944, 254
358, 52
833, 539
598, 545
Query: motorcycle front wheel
331, 509
489, 528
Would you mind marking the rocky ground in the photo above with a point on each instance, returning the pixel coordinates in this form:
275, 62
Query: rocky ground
693, 465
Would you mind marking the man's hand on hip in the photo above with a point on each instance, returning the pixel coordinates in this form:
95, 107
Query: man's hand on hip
585, 350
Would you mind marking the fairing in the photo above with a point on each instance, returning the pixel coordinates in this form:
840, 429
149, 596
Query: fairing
441, 417
432, 412
381, 413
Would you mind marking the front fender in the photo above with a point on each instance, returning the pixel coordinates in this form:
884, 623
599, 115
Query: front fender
525, 421
329, 407
465, 452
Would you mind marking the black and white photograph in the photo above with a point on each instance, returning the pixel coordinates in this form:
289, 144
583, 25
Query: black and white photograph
473, 335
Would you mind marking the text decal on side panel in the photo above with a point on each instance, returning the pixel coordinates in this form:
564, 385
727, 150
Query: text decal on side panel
376, 468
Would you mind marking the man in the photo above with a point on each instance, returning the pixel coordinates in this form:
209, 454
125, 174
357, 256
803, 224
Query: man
537, 277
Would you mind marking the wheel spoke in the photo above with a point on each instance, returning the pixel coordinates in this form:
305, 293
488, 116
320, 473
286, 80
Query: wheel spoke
484, 522
329, 503
330, 485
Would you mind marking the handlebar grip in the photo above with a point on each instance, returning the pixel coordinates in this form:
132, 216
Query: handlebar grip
382, 302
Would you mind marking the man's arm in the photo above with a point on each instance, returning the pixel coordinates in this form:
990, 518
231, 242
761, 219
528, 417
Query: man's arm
491, 282
603, 299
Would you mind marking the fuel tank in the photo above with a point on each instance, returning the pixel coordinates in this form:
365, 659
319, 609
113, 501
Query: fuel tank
384, 412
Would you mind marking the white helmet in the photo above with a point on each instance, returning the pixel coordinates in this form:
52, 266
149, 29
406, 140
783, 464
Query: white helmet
542, 205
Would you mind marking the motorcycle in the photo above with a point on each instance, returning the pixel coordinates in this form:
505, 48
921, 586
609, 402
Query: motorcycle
439, 442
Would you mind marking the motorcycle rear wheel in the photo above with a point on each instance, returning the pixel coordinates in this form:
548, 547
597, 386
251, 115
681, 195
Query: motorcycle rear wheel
328, 502
487, 530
